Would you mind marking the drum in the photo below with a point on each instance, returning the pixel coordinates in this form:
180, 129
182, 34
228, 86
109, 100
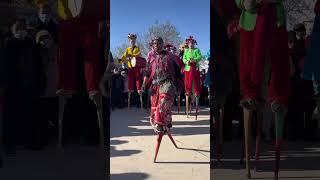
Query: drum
76, 8
138, 62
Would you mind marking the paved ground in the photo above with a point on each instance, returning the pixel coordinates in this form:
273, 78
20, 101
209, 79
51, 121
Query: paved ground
76, 162
299, 161
133, 145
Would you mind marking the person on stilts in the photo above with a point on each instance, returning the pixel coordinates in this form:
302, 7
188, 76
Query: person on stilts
173, 50
134, 73
191, 58
261, 55
161, 76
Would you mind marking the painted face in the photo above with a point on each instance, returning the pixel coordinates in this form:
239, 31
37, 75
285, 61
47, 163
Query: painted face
132, 41
157, 45
191, 44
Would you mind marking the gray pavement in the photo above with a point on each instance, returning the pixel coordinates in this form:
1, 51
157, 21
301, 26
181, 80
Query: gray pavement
299, 161
133, 147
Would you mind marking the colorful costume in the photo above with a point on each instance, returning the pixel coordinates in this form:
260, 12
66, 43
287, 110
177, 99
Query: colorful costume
256, 47
261, 55
191, 69
162, 73
81, 32
134, 73
312, 62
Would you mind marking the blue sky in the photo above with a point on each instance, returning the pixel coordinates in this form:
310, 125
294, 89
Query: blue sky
191, 17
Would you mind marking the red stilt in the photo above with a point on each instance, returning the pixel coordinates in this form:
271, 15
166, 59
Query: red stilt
276, 169
158, 146
172, 140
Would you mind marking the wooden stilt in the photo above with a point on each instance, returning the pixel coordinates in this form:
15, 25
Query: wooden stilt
178, 104
129, 97
258, 139
197, 107
98, 102
279, 123
62, 103
141, 100
247, 123
187, 105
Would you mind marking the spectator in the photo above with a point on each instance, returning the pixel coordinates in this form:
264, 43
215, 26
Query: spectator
44, 21
48, 103
23, 85
124, 98
117, 89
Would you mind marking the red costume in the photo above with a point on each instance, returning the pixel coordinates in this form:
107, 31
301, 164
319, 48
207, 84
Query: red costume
81, 32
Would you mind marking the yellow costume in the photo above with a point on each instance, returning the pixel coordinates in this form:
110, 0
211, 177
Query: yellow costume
135, 52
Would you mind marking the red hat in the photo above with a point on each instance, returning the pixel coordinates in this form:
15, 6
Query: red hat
168, 46
190, 39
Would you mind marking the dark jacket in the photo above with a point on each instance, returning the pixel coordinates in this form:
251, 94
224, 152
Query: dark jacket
23, 67
51, 27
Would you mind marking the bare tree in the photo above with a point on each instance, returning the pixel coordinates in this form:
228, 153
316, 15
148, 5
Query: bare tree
299, 11
166, 30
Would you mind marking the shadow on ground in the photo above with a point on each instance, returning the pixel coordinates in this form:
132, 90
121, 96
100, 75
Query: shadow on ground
139, 118
131, 176
298, 156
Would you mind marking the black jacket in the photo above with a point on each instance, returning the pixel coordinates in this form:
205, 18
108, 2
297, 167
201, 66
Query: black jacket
51, 27
23, 67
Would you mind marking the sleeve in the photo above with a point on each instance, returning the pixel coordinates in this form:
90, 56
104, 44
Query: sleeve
124, 56
198, 56
147, 70
185, 57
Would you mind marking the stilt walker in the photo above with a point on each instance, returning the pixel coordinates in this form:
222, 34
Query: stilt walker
80, 27
259, 21
161, 77
179, 62
312, 61
133, 72
191, 58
